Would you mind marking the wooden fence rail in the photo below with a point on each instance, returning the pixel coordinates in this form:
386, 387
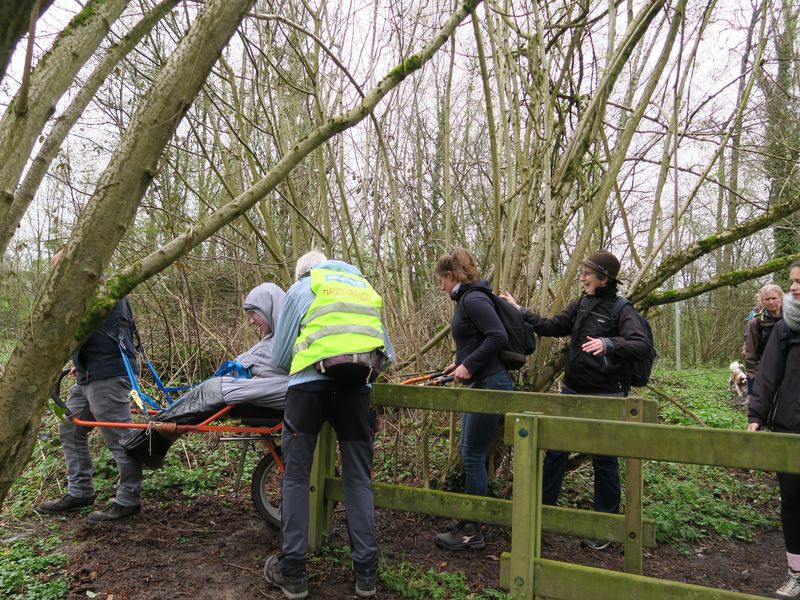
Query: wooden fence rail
624, 427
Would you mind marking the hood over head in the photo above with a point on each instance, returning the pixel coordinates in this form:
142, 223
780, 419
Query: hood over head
267, 300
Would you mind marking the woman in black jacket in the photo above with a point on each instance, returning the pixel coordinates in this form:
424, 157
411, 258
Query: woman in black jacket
775, 403
596, 365
479, 337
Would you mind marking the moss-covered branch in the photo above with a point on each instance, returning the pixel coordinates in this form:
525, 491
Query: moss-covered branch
673, 264
727, 279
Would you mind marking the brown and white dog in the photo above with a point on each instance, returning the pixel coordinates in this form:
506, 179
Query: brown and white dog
738, 379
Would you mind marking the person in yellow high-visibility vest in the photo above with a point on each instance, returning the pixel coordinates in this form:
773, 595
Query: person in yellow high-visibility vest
331, 311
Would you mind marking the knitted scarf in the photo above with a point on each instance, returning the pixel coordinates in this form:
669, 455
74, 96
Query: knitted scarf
791, 312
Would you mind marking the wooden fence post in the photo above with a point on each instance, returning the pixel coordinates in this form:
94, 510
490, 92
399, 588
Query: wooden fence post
321, 509
634, 487
526, 512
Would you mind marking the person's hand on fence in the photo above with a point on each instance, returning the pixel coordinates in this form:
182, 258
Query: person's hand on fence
753, 427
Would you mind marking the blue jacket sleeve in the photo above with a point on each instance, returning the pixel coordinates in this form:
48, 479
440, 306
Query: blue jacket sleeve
295, 305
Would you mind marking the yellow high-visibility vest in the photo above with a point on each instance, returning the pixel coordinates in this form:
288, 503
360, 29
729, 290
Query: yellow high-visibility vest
344, 318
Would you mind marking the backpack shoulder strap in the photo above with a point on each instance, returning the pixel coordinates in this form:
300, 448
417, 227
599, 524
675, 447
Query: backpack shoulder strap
616, 310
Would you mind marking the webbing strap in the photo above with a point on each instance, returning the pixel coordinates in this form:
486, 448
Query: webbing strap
132, 377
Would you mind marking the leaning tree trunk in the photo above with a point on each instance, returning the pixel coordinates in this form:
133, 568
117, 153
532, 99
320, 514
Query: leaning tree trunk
48, 339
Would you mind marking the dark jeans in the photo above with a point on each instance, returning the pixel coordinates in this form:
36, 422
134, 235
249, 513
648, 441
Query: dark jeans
790, 510
607, 489
347, 409
477, 430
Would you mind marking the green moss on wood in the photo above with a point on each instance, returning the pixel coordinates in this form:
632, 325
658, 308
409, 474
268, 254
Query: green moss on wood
412, 63
89, 11
710, 243
103, 303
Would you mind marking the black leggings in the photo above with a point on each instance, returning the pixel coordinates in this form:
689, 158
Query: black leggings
790, 510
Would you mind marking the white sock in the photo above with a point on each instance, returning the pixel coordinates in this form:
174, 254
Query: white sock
794, 561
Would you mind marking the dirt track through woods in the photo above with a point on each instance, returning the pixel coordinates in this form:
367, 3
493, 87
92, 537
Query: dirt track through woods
214, 548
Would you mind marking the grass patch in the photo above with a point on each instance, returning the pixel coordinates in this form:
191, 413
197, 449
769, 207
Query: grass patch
6, 348
704, 392
411, 581
32, 570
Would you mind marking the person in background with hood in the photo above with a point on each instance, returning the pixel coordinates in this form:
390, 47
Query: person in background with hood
266, 387
480, 337
596, 366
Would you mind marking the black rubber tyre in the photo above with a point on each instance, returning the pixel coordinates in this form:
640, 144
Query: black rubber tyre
266, 489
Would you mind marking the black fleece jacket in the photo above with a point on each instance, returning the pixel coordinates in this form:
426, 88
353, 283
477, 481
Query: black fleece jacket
590, 316
777, 387
477, 330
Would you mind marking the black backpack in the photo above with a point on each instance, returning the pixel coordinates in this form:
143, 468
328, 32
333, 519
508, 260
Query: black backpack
641, 368
521, 337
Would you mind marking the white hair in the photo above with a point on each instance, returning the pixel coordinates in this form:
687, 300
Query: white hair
770, 288
305, 262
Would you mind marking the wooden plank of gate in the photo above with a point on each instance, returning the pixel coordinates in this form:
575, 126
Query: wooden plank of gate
633, 498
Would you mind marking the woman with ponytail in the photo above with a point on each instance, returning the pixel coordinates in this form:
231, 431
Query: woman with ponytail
479, 337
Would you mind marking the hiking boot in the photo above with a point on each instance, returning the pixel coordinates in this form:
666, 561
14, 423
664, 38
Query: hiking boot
64, 504
453, 524
466, 535
113, 512
365, 584
595, 544
291, 588
791, 589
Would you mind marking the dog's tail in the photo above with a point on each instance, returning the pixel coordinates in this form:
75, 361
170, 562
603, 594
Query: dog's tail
735, 366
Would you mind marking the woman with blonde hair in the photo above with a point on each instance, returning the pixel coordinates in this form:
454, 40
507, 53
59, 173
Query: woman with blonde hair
759, 328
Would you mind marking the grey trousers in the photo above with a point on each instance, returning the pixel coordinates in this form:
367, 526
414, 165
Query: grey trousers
100, 400
348, 412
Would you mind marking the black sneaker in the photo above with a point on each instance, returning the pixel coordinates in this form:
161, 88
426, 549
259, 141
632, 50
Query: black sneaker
113, 512
365, 584
64, 504
595, 544
467, 535
291, 588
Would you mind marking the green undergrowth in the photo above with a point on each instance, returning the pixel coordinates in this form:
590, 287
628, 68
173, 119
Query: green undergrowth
411, 581
690, 502
32, 569
196, 465
6, 347
700, 392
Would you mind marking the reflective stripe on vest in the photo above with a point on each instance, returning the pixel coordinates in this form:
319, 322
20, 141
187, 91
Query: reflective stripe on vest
343, 319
